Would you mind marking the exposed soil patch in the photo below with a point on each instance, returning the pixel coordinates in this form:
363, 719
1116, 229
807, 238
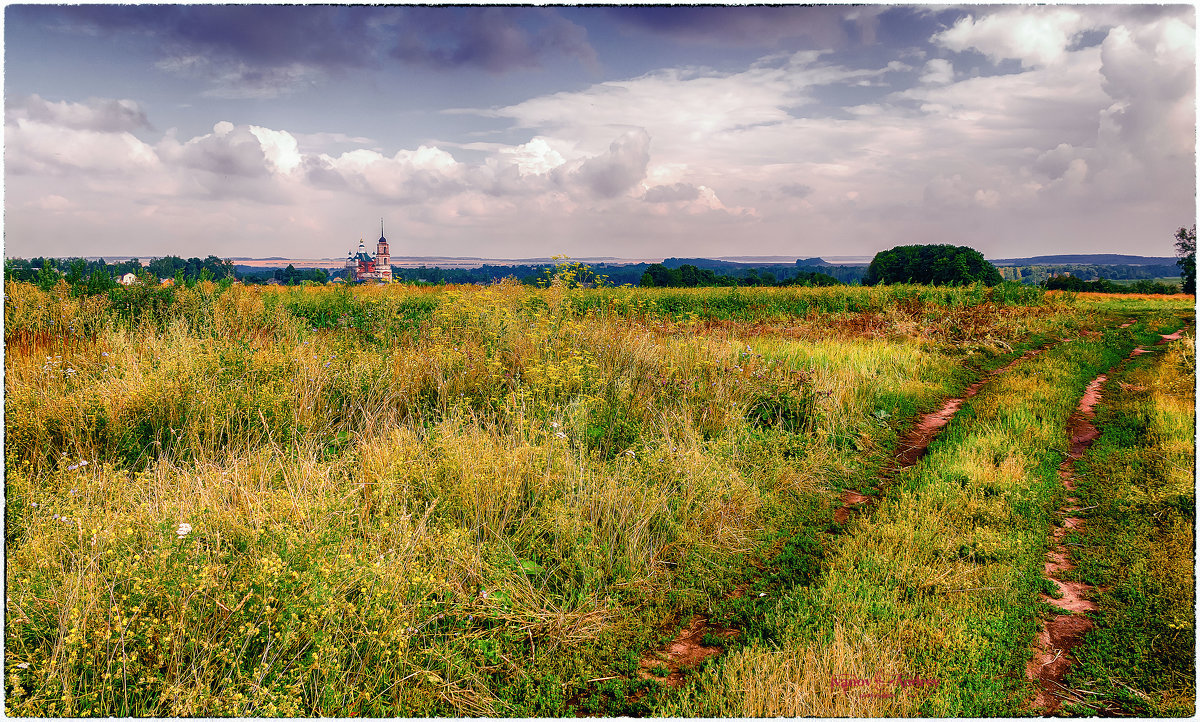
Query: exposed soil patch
1052, 657
916, 442
850, 501
686, 651
1081, 430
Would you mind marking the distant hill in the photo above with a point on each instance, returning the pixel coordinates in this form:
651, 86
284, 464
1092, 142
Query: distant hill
1091, 259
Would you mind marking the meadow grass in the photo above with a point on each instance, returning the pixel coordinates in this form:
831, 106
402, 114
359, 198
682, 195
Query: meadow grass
399, 501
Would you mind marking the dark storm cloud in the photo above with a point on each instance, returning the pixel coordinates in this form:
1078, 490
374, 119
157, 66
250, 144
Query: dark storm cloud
825, 26
330, 37
492, 39
226, 42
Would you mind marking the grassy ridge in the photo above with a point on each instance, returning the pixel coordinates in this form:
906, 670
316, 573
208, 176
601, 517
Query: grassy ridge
392, 501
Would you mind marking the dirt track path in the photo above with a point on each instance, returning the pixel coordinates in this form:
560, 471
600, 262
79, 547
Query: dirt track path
915, 442
1052, 657
688, 649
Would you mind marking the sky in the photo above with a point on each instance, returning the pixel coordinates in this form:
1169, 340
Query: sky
603, 131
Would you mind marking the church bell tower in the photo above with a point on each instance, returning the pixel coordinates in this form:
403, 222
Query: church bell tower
383, 257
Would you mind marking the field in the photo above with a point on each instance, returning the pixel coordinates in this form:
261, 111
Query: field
515, 501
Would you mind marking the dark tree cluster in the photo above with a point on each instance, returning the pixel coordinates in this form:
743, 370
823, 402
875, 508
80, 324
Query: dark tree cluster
1103, 285
1185, 248
931, 265
193, 269
97, 276
292, 276
658, 275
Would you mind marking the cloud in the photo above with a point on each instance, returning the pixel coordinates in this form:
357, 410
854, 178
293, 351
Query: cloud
938, 71
415, 176
229, 151
1036, 36
824, 27
236, 80
53, 203
324, 139
536, 157
613, 173
672, 193
1091, 134
99, 114
279, 147
265, 35
33, 147
795, 190
265, 51
493, 39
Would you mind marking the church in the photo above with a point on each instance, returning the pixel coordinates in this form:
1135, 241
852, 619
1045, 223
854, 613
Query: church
362, 266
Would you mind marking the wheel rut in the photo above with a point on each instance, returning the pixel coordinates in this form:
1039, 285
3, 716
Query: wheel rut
688, 649
1053, 645
914, 444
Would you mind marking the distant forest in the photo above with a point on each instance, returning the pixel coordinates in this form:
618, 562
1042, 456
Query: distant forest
95, 276
672, 273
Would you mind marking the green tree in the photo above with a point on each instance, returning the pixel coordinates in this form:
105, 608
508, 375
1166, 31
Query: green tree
689, 275
664, 277
48, 277
76, 272
167, 266
1185, 248
100, 282
937, 265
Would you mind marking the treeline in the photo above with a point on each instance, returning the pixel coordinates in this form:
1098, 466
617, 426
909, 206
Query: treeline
1103, 285
102, 275
658, 275
290, 276
668, 274
1037, 274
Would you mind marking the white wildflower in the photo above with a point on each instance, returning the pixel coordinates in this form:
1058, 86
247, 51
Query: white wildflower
183, 529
